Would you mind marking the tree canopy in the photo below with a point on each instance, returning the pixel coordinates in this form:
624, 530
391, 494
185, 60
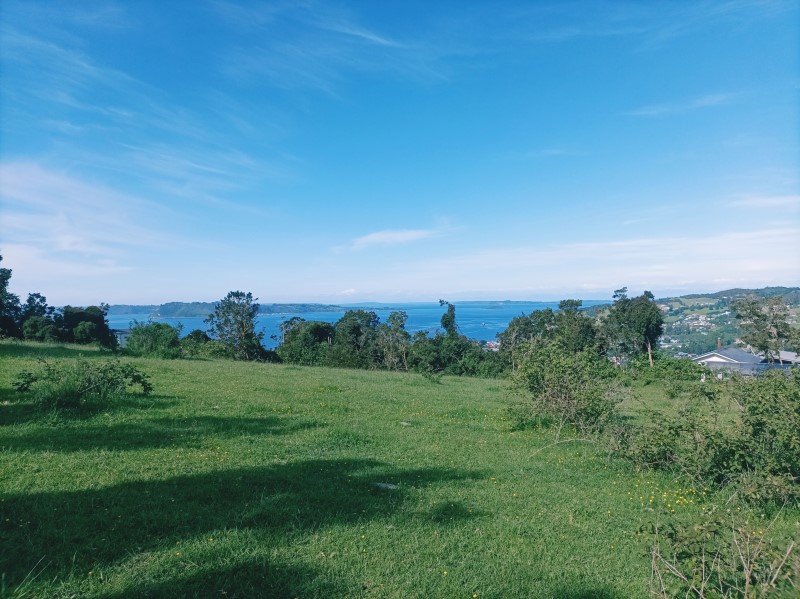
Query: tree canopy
233, 323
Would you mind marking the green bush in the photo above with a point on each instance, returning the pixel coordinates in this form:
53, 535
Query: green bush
85, 332
80, 384
758, 454
579, 389
154, 340
39, 328
722, 555
666, 368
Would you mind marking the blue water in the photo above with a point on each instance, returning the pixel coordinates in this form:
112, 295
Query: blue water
476, 320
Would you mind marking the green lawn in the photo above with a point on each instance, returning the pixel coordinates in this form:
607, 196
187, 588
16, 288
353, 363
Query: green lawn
252, 480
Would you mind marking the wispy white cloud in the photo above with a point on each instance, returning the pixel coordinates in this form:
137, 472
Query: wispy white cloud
315, 46
706, 101
59, 214
789, 202
393, 237
659, 263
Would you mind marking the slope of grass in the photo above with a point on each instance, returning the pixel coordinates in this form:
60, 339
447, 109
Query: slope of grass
252, 480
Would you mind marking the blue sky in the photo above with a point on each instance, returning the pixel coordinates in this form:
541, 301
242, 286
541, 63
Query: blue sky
397, 151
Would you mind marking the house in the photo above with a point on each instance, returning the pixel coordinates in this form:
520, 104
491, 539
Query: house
737, 360
122, 336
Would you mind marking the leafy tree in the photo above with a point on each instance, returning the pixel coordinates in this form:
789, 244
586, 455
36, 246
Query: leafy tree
233, 323
450, 352
449, 318
305, 341
9, 306
765, 325
86, 325
155, 340
574, 330
523, 331
354, 340
195, 343
39, 328
36, 305
633, 326
393, 341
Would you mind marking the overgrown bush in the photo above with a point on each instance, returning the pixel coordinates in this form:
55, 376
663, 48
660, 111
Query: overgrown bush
154, 340
666, 368
81, 384
722, 555
758, 454
579, 389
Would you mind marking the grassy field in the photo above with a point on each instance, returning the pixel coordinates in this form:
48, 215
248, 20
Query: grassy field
253, 480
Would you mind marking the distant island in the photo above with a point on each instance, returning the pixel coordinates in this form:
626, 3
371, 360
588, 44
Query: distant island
203, 309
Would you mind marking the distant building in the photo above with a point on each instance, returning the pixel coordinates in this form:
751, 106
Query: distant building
738, 360
122, 336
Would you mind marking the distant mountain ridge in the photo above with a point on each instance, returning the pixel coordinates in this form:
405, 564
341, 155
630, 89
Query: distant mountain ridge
790, 294
203, 309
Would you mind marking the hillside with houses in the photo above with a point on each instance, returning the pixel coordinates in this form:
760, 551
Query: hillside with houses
696, 324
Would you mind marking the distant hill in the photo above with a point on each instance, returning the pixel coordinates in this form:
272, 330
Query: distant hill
790, 294
124, 309
203, 309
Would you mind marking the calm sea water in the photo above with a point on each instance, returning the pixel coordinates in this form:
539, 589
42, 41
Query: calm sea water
476, 320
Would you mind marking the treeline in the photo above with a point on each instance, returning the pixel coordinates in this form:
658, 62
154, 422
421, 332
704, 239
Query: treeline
360, 340
34, 320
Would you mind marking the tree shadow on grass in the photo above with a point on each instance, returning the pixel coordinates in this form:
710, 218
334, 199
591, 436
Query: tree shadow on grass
583, 591
256, 578
151, 433
45, 350
77, 531
17, 408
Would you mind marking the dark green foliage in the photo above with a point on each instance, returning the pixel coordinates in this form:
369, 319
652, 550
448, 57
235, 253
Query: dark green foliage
86, 325
450, 352
80, 384
523, 330
449, 318
771, 430
40, 328
572, 328
10, 310
722, 555
354, 344
579, 389
154, 340
85, 332
764, 324
305, 341
633, 326
233, 323
666, 368
760, 455
196, 344
393, 342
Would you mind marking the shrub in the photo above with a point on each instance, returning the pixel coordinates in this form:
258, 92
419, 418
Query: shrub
579, 389
154, 340
40, 328
196, 344
85, 332
80, 384
666, 368
759, 455
722, 556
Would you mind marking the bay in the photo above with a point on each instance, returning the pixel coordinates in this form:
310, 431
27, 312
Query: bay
480, 320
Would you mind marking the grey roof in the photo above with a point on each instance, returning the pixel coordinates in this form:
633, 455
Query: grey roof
732, 353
